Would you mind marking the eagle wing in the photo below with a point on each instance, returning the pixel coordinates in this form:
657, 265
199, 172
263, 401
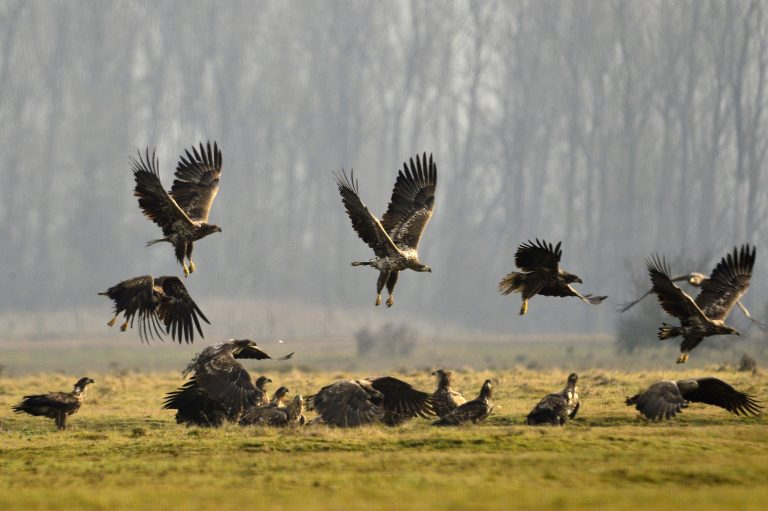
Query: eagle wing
135, 297
226, 381
727, 283
344, 404
401, 400
48, 405
660, 401
193, 406
552, 409
532, 256
714, 391
156, 203
412, 203
673, 300
471, 411
178, 311
365, 223
563, 290
197, 181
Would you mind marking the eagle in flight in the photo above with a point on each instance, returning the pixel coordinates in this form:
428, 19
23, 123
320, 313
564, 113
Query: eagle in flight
705, 316
182, 213
665, 399
541, 275
395, 238
55, 405
161, 302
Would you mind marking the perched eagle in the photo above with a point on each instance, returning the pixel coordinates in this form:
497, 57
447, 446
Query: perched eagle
349, 403
183, 212
278, 398
542, 275
473, 411
222, 379
665, 399
157, 302
55, 405
695, 279
706, 315
194, 407
557, 408
274, 415
395, 238
445, 399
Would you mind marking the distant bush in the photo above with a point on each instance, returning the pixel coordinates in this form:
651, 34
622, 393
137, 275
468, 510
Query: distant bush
747, 364
389, 341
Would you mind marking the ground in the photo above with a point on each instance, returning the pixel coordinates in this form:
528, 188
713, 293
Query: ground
123, 452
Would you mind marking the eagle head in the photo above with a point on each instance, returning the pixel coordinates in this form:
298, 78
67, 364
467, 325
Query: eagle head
573, 378
423, 268
487, 391
279, 396
443, 376
210, 228
570, 278
261, 381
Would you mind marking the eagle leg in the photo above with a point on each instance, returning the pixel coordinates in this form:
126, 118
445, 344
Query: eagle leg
391, 281
378, 299
683, 358
383, 277
191, 266
189, 257
524, 307
390, 301
111, 322
124, 326
186, 271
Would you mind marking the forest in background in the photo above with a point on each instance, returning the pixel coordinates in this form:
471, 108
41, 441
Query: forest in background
621, 128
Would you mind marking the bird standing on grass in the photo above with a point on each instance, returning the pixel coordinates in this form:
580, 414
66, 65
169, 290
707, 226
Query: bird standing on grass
445, 399
558, 407
395, 238
473, 411
541, 275
55, 405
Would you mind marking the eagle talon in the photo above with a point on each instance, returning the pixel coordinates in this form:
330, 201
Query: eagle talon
378, 300
390, 301
191, 267
524, 308
186, 271
683, 358
111, 322
124, 327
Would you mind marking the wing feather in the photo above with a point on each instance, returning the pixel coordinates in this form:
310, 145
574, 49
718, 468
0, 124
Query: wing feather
197, 180
532, 256
401, 400
727, 283
673, 300
178, 311
714, 391
660, 401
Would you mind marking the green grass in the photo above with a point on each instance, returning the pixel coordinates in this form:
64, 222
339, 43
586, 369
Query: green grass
123, 452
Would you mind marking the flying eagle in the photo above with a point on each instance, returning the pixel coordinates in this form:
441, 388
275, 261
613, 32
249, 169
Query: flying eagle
706, 315
395, 238
274, 415
541, 275
55, 405
194, 407
473, 411
445, 399
183, 212
557, 408
695, 279
157, 302
349, 403
665, 399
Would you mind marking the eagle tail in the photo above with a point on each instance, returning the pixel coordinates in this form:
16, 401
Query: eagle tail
152, 242
668, 331
512, 283
362, 263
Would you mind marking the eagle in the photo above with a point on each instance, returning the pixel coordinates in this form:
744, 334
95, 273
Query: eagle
558, 407
445, 399
278, 398
473, 411
194, 407
695, 279
218, 374
541, 275
182, 213
705, 316
395, 238
55, 405
357, 402
161, 302
274, 415
665, 399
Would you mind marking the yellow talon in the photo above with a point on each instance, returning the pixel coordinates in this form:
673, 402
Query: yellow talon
124, 326
390, 301
111, 322
524, 308
186, 271
378, 299
683, 358
191, 266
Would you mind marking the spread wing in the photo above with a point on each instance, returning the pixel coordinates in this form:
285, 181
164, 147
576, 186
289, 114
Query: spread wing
197, 181
344, 404
532, 256
564, 289
365, 223
135, 298
254, 352
226, 381
193, 406
661, 401
178, 311
673, 300
157, 205
401, 400
727, 284
412, 203
714, 391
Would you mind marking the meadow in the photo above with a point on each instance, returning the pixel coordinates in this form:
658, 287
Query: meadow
124, 452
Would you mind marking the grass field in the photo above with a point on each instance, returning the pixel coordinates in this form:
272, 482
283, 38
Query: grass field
123, 452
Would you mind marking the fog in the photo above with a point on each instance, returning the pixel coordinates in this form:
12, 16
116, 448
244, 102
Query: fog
620, 128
